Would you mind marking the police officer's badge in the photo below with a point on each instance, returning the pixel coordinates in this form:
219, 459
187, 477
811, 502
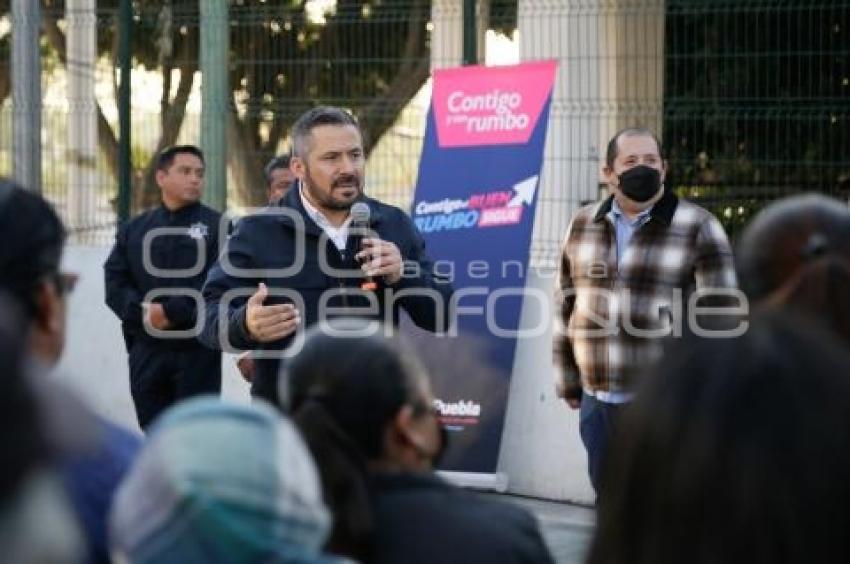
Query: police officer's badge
198, 230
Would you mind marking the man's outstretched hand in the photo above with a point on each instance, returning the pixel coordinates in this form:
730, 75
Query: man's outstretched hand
266, 323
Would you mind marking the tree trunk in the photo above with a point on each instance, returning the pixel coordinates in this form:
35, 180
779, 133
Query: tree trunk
245, 162
172, 117
145, 192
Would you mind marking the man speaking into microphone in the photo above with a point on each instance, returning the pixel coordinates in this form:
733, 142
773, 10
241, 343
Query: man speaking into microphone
324, 250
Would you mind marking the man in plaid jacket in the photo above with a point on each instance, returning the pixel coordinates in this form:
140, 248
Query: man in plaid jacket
629, 266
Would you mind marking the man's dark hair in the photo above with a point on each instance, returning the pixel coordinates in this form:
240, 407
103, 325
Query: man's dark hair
31, 241
614, 143
280, 161
796, 254
322, 115
166, 157
342, 395
735, 451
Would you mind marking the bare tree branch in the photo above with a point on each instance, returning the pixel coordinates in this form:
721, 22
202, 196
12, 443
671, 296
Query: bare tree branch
376, 118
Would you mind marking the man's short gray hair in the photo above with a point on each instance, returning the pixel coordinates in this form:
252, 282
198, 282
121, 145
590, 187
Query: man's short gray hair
322, 115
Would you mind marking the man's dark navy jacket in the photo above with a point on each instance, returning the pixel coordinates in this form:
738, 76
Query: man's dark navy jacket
268, 240
128, 281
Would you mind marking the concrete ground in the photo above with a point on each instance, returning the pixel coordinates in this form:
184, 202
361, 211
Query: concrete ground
567, 528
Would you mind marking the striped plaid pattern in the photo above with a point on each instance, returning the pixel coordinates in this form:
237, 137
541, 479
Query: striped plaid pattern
221, 483
610, 318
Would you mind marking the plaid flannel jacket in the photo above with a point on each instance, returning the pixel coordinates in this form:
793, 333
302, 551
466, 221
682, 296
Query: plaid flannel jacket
610, 317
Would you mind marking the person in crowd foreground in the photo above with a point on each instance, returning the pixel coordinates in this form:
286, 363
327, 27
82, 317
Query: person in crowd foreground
365, 408
218, 483
627, 264
736, 451
92, 454
37, 523
795, 254
167, 250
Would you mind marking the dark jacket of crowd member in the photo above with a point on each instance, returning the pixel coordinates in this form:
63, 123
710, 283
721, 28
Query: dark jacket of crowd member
366, 410
736, 451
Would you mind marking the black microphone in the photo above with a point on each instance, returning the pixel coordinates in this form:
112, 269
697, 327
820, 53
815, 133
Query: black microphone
360, 214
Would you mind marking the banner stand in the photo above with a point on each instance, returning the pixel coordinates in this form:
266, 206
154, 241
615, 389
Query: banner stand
474, 204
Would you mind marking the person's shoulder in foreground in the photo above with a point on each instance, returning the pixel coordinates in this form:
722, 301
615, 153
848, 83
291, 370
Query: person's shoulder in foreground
422, 518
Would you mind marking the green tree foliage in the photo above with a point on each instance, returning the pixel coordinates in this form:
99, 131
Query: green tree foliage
370, 56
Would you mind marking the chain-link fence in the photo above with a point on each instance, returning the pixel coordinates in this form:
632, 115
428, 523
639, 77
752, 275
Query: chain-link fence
751, 96
756, 101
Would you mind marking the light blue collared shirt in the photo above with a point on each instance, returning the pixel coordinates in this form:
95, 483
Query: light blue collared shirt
625, 227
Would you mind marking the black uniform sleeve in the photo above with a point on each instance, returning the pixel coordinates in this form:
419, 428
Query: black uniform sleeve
122, 294
429, 310
180, 311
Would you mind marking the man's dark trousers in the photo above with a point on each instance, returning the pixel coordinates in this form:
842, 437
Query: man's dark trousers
161, 376
597, 420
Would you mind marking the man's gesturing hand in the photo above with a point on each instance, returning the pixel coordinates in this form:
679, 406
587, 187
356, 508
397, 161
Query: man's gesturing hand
267, 323
381, 258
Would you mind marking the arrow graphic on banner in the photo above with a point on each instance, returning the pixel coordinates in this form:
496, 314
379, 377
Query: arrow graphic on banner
524, 192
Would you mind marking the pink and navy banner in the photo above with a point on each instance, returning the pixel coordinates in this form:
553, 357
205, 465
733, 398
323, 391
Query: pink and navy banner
474, 204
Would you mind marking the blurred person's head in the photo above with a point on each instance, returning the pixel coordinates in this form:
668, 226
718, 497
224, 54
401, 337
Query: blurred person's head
279, 178
635, 169
364, 405
328, 158
36, 523
180, 175
24, 446
373, 388
796, 254
219, 482
735, 451
31, 242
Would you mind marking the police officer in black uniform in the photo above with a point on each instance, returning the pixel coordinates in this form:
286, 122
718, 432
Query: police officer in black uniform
181, 235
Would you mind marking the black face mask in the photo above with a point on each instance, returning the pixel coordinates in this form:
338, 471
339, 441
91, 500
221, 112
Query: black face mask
640, 183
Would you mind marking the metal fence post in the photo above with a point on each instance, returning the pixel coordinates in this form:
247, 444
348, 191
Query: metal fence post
125, 54
81, 36
26, 93
470, 33
215, 35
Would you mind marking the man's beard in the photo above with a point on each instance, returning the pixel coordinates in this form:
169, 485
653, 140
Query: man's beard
328, 200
